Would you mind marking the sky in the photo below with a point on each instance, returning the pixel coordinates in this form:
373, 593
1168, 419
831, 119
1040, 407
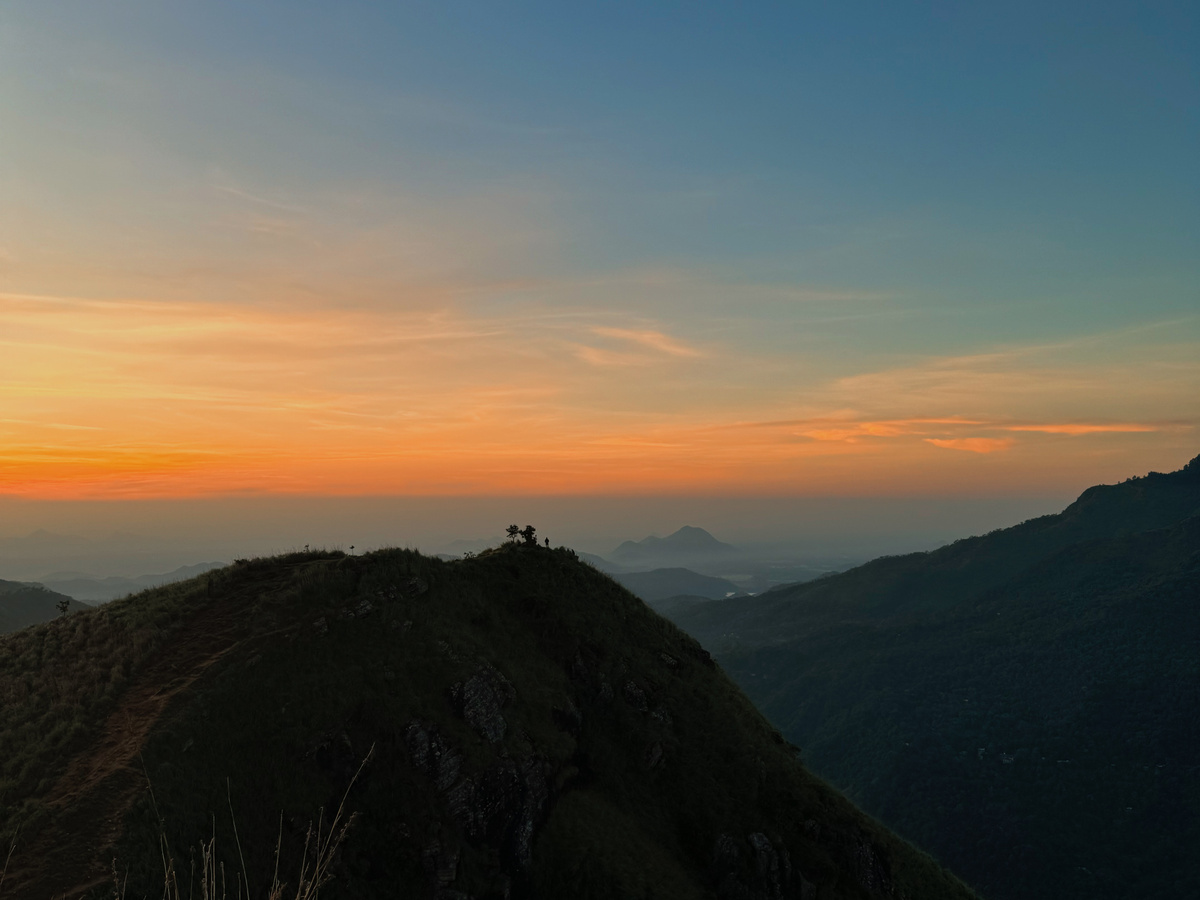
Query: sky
555, 250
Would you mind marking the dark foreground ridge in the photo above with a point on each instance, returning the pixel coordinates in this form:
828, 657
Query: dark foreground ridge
1025, 704
537, 732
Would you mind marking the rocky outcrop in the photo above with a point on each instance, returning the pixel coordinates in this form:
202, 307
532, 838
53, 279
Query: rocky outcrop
497, 809
755, 868
480, 700
501, 807
432, 755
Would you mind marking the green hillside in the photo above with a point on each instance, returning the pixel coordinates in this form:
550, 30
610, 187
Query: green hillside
1025, 704
536, 732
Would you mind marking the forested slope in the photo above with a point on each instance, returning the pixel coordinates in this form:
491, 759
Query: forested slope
1038, 731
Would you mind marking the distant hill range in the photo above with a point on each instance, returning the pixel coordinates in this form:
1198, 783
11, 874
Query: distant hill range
686, 546
1026, 703
530, 730
24, 604
85, 587
29, 557
660, 584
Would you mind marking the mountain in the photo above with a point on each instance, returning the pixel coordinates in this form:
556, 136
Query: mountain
598, 562
688, 544
84, 587
29, 557
1025, 703
659, 584
23, 604
514, 724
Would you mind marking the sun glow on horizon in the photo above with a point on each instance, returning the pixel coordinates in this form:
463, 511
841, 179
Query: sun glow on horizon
134, 398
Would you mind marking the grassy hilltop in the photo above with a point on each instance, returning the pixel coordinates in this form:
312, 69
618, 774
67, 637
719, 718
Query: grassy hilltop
537, 732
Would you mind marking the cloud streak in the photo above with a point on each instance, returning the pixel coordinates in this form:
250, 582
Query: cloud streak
1075, 428
654, 340
973, 444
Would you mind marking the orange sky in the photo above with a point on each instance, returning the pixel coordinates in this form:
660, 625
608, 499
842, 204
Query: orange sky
112, 398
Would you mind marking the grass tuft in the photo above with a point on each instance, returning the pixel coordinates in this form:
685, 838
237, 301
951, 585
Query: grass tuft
321, 845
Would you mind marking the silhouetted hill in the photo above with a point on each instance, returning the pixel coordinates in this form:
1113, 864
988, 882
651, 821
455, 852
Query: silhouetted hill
659, 584
1023, 703
685, 545
537, 732
84, 587
24, 604
895, 586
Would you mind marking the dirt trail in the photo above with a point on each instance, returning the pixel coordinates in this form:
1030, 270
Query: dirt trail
69, 854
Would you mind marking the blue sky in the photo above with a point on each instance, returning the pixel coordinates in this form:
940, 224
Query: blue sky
683, 216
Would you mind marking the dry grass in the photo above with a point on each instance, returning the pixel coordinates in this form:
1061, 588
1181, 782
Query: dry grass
7, 859
208, 880
61, 678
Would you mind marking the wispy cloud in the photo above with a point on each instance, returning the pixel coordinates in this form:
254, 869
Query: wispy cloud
259, 200
62, 426
655, 340
1073, 428
972, 445
840, 430
633, 347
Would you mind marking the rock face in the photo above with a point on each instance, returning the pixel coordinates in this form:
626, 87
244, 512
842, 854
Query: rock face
497, 809
754, 868
432, 755
480, 699
501, 807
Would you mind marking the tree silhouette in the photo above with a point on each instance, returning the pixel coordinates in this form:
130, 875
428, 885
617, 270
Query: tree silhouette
529, 535
513, 531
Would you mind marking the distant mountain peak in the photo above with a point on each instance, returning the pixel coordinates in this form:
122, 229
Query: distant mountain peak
686, 542
691, 536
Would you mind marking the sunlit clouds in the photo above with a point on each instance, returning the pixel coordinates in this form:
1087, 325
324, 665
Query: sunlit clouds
973, 445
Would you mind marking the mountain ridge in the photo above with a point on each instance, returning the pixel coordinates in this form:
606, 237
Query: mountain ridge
661, 584
685, 544
1023, 702
926, 581
522, 707
91, 589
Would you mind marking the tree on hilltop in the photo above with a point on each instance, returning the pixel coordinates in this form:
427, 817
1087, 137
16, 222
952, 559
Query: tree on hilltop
513, 531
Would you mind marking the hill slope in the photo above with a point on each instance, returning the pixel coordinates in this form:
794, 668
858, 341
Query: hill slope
23, 604
537, 732
899, 586
99, 590
1024, 703
660, 584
